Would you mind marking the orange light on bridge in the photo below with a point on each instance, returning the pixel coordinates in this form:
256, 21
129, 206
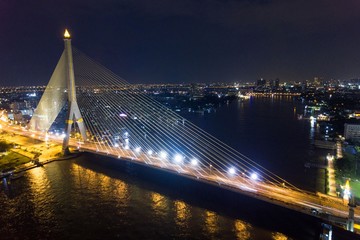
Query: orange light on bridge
66, 34
347, 192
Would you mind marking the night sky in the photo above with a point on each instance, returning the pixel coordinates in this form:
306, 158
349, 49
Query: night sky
161, 41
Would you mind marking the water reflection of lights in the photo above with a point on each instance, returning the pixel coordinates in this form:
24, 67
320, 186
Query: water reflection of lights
104, 182
278, 236
39, 181
39, 185
159, 203
122, 190
312, 122
85, 177
182, 212
242, 230
108, 187
211, 222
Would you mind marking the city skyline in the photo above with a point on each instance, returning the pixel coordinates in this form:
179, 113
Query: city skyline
187, 41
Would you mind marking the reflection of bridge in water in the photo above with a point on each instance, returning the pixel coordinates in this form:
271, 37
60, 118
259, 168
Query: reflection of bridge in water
113, 118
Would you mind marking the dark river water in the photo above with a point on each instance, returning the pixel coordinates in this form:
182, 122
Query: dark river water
85, 199
267, 130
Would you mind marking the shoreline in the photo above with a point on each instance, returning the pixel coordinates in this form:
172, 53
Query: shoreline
38, 152
39, 164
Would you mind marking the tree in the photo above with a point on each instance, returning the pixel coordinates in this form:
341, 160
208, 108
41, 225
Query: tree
4, 146
346, 166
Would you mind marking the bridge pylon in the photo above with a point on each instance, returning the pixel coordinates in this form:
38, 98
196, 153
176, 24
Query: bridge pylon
73, 112
351, 217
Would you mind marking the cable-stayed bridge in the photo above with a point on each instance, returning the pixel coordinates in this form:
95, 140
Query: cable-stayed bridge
103, 113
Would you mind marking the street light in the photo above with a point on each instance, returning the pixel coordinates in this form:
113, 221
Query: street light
329, 157
347, 192
178, 158
194, 162
231, 171
254, 176
163, 154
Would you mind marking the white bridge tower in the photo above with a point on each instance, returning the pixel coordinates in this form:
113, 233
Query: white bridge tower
73, 114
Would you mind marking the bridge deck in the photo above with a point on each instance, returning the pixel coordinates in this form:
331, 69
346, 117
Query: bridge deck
327, 207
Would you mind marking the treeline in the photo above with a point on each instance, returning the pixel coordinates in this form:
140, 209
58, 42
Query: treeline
4, 146
348, 166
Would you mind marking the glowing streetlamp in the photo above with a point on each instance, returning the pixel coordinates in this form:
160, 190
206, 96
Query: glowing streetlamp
194, 162
178, 158
347, 192
254, 176
330, 157
231, 171
163, 154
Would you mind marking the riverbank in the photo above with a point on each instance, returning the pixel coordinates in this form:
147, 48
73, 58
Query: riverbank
25, 153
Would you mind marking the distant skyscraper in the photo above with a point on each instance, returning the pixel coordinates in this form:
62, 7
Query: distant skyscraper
277, 83
318, 81
274, 84
261, 82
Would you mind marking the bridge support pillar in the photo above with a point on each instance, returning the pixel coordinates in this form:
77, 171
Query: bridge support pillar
73, 114
351, 217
